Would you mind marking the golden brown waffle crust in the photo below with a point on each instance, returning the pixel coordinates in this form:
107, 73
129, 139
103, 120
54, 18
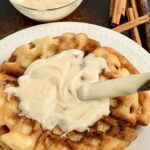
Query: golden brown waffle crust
113, 132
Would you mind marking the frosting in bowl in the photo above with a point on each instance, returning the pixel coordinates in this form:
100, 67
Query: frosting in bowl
44, 4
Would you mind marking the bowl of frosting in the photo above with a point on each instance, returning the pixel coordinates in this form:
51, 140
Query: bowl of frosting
46, 10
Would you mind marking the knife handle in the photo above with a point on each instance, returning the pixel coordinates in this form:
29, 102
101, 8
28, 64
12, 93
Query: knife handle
115, 87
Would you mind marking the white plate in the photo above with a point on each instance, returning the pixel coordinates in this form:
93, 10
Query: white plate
136, 54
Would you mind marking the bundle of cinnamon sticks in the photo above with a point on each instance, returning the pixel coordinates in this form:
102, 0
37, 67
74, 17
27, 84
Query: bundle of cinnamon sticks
118, 10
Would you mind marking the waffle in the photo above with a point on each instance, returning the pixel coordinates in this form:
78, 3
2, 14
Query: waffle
113, 132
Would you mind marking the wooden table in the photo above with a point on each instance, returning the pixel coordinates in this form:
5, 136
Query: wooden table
90, 11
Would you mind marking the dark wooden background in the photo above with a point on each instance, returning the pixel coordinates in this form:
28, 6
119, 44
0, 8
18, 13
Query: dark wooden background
90, 11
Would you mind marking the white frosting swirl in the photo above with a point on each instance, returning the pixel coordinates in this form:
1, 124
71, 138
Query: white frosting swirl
48, 91
44, 4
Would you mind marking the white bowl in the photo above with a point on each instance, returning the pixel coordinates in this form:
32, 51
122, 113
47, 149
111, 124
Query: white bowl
48, 14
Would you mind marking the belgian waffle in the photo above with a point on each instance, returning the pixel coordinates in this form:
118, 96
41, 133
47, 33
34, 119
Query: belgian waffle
113, 132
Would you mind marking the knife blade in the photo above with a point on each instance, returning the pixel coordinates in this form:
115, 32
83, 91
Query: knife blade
115, 87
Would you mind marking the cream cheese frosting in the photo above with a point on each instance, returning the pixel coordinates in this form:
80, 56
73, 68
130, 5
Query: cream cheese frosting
48, 91
43, 4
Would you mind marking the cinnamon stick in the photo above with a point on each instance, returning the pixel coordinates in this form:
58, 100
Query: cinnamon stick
145, 29
111, 8
134, 6
124, 5
117, 12
134, 31
131, 24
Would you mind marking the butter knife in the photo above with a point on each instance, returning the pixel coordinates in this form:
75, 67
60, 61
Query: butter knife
115, 87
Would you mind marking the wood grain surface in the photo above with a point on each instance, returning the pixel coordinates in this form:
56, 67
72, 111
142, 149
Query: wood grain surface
90, 11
